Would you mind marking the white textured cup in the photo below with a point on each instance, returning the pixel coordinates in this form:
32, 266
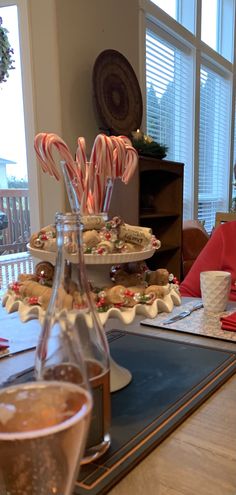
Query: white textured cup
215, 288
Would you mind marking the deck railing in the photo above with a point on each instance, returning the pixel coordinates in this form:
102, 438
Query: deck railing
11, 266
15, 203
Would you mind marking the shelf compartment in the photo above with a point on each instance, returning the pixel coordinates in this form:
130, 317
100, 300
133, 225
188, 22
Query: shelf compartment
160, 214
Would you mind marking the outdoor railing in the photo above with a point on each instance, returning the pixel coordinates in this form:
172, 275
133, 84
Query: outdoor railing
15, 203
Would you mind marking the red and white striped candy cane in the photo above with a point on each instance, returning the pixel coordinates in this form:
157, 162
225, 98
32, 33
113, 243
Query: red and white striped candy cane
118, 155
54, 141
64, 153
131, 163
126, 140
101, 168
81, 158
44, 145
39, 146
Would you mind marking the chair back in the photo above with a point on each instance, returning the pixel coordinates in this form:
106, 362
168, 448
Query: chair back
222, 217
194, 238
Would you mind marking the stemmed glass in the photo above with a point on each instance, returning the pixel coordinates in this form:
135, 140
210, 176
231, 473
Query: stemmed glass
43, 430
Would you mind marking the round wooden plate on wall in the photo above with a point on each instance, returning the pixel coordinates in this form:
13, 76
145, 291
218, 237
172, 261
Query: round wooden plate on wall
117, 94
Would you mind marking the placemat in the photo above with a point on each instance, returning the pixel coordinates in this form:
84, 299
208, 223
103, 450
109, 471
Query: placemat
198, 323
169, 381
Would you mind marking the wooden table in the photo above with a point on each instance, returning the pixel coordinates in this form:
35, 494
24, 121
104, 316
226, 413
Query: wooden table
198, 458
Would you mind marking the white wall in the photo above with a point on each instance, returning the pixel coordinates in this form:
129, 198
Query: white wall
46, 95
67, 36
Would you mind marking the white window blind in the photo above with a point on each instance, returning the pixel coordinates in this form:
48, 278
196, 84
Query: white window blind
214, 145
233, 189
169, 102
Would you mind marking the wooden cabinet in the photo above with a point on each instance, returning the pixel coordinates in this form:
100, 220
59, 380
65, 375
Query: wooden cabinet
161, 208
154, 198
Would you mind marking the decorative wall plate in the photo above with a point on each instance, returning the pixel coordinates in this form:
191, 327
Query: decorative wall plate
117, 94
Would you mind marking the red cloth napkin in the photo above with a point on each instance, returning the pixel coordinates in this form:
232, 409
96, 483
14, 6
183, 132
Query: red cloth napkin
229, 322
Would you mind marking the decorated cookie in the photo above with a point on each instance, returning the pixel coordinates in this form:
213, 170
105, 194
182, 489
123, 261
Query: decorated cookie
158, 277
44, 271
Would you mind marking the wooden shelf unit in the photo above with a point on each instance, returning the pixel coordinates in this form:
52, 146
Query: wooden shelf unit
154, 198
161, 208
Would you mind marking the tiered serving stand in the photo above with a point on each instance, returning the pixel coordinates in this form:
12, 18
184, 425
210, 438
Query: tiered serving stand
98, 270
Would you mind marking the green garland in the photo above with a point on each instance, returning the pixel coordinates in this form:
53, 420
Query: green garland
146, 146
6, 52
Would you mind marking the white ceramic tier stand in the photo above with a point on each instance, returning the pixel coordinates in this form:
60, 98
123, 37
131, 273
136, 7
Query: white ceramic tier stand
98, 271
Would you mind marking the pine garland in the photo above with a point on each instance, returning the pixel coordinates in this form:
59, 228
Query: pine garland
146, 146
6, 52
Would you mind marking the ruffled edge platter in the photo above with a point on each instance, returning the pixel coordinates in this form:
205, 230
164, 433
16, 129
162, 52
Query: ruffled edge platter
126, 315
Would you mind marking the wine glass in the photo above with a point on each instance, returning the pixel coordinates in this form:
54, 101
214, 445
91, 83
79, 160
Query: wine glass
43, 431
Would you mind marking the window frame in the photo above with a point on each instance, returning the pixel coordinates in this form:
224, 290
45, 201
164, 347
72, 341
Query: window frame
151, 12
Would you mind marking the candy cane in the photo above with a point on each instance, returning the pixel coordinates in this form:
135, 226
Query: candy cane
39, 145
81, 157
126, 140
86, 202
101, 155
130, 164
44, 144
118, 155
101, 161
55, 141
111, 157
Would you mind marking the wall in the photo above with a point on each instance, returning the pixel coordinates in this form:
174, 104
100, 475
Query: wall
67, 36
46, 96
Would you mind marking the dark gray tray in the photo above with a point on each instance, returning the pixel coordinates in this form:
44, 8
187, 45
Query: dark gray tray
170, 380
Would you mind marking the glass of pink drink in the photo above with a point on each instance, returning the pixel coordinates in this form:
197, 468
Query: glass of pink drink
43, 431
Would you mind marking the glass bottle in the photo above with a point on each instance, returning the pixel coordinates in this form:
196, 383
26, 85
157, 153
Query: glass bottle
71, 312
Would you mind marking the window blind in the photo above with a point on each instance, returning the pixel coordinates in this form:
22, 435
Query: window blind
214, 145
169, 102
233, 188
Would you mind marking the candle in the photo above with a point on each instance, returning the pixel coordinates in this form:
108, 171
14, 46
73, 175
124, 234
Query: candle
137, 135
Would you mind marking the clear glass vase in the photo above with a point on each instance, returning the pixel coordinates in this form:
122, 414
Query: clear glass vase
71, 328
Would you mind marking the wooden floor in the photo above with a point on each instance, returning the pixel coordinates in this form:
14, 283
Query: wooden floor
11, 266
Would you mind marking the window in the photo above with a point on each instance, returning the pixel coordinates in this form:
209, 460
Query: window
189, 83
182, 11
214, 145
16, 129
217, 26
209, 31
169, 6
12, 129
169, 100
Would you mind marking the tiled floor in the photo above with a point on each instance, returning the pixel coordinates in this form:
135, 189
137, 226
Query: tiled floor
11, 266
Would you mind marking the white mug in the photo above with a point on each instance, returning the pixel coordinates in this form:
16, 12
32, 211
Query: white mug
215, 289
